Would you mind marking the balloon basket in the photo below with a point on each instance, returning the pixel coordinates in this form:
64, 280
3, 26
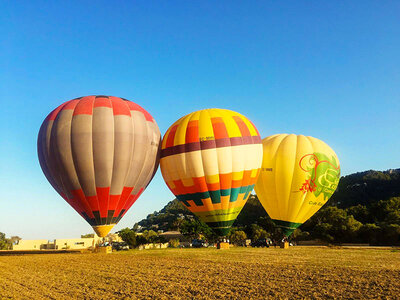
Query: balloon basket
285, 245
103, 249
222, 245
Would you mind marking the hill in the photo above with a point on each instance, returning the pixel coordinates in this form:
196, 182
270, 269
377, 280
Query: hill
366, 188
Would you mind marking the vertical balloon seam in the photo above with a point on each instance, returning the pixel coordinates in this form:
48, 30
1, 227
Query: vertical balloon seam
107, 216
43, 149
115, 103
158, 151
126, 201
215, 154
282, 207
175, 159
93, 179
42, 159
304, 195
184, 170
74, 162
259, 189
309, 193
286, 199
225, 205
116, 213
297, 218
54, 153
156, 162
154, 165
149, 141
144, 180
53, 156
145, 159
290, 203
279, 210
185, 154
261, 186
46, 150
191, 117
229, 148
93, 162
166, 162
60, 163
113, 160
331, 154
201, 118
244, 160
89, 205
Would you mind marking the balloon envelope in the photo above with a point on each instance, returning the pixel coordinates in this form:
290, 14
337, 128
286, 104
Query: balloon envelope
99, 153
210, 159
298, 176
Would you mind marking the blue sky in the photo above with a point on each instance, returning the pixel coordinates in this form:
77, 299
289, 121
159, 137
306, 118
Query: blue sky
329, 69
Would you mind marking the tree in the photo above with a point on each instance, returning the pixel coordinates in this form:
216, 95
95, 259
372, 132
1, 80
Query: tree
238, 237
89, 235
128, 236
360, 213
5, 243
299, 235
174, 243
140, 240
196, 229
332, 224
14, 239
389, 235
369, 233
150, 236
388, 211
177, 224
363, 209
260, 234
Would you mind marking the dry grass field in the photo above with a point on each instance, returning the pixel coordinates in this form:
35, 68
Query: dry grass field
238, 273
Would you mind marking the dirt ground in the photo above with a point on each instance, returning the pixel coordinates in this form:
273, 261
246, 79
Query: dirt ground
237, 273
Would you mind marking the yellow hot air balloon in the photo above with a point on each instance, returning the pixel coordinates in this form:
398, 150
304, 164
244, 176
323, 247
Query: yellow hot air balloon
298, 176
210, 159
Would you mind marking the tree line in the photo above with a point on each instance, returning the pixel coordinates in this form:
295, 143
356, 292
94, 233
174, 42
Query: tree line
364, 209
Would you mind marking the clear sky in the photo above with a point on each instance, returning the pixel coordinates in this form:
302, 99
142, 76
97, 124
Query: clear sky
329, 69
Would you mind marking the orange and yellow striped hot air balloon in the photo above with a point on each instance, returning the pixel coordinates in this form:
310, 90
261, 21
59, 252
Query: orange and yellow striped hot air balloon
99, 153
211, 159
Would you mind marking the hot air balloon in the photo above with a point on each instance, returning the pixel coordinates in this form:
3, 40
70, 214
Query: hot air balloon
99, 153
210, 159
298, 176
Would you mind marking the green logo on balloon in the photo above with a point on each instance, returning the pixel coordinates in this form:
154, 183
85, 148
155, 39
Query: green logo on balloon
324, 174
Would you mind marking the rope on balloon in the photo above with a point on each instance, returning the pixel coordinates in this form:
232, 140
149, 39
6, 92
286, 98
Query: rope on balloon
313, 163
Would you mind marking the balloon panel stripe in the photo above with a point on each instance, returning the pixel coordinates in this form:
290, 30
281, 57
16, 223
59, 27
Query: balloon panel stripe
204, 145
219, 128
214, 195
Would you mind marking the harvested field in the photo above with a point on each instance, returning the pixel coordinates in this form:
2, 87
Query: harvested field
299, 272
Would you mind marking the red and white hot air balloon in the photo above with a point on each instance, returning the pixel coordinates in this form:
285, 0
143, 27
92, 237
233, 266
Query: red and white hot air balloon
99, 153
